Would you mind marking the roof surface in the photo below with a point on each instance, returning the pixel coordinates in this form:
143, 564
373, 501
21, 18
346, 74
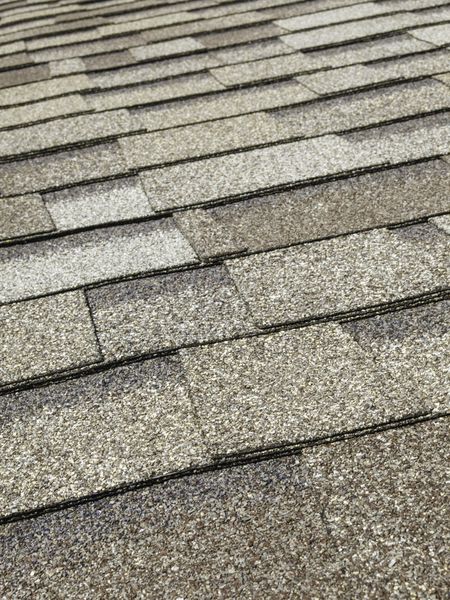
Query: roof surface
224, 299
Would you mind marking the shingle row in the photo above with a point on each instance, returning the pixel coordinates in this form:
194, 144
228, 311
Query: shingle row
158, 416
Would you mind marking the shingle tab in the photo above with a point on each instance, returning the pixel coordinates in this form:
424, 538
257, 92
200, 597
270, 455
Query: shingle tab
224, 104
239, 36
50, 335
64, 132
250, 171
371, 200
168, 311
22, 76
291, 386
20, 94
338, 15
335, 34
80, 259
95, 432
282, 521
251, 51
62, 168
336, 80
46, 109
92, 204
164, 49
154, 92
343, 274
439, 35
23, 215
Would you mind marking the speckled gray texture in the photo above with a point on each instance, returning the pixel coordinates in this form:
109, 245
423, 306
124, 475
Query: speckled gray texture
344, 32
108, 60
39, 111
256, 531
154, 70
209, 236
168, 311
326, 82
371, 200
202, 139
338, 15
61, 168
443, 223
98, 255
343, 274
220, 177
66, 66
65, 131
43, 336
106, 202
251, 51
20, 94
412, 347
214, 178
241, 35
154, 92
296, 385
305, 7
23, 215
63, 39
22, 76
94, 433
364, 108
87, 48
177, 46
150, 23
226, 104
439, 35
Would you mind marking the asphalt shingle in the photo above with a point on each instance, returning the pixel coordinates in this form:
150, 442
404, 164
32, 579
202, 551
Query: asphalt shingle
40, 111
23, 215
251, 51
409, 67
50, 334
257, 530
164, 49
308, 213
226, 104
154, 92
65, 132
94, 433
343, 274
20, 94
168, 311
438, 35
80, 259
22, 76
92, 204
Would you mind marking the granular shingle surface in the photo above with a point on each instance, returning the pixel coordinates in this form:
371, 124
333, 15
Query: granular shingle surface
224, 299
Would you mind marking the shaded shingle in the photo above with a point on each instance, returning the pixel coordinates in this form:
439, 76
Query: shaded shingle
84, 49
84, 258
238, 36
371, 200
342, 274
168, 311
96, 203
95, 432
251, 51
22, 76
50, 334
23, 215
66, 66
164, 49
303, 518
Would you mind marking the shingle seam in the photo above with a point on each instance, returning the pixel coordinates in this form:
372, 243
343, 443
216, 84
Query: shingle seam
221, 463
88, 111
339, 317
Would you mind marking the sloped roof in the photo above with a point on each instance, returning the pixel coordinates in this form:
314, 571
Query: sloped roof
224, 298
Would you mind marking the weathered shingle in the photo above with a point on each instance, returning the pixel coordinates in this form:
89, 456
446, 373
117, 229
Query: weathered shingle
80, 259
343, 274
50, 334
20, 94
22, 76
45, 109
168, 311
